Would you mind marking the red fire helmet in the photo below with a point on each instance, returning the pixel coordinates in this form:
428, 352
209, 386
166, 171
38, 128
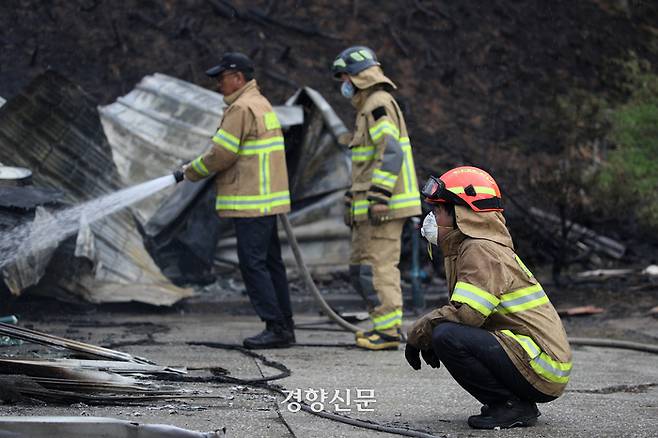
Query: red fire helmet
465, 185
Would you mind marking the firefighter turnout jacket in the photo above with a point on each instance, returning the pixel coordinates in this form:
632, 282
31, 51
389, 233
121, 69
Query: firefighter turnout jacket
382, 163
248, 157
493, 289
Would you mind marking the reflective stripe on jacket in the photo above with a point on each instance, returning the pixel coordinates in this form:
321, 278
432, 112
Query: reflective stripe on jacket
248, 155
382, 161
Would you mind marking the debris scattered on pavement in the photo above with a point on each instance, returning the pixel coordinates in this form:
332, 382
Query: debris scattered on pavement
117, 378
79, 347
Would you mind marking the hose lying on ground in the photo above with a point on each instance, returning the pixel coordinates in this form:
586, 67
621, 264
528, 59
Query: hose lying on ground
613, 343
310, 284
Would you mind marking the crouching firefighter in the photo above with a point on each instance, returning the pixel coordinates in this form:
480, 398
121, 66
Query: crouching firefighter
247, 160
499, 337
384, 192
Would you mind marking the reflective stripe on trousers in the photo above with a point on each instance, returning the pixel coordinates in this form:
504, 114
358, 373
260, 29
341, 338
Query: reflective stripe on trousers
388, 321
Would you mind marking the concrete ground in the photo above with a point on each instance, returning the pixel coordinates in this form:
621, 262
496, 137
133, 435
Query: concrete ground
612, 392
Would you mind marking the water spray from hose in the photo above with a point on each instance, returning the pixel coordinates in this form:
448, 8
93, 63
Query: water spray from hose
33, 237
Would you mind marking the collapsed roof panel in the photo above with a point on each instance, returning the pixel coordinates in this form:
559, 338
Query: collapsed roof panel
52, 128
165, 121
183, 232
162, 123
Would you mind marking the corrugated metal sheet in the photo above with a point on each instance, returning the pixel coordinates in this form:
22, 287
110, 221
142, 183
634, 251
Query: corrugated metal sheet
165, 121
162, 123
185, 227
27, 197
52, 127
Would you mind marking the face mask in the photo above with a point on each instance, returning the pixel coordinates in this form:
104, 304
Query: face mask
347, 89
430, 230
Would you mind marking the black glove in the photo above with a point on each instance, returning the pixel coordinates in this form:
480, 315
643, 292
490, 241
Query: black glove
179, 175
412, 354
430, 358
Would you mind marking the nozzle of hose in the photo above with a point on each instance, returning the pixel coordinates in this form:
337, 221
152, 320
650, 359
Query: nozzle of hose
179, 175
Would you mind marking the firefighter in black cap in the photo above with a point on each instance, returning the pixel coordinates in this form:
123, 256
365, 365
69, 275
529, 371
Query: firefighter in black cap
247, 160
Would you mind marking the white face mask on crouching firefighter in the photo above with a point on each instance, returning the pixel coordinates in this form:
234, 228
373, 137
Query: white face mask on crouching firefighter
430, 229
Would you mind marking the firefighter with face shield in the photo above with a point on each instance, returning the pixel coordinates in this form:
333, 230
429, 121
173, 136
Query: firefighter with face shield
499, 337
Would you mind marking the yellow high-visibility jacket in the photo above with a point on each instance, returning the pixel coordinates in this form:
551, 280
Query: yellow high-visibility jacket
248, 157
382, 161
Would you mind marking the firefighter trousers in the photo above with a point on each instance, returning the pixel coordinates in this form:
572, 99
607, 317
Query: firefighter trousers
374, 269
263, 271
481, 366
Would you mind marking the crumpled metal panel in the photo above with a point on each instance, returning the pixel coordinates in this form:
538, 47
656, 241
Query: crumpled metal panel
52, 127
162, 123
165, 121
29, 266
27, 197
185, 227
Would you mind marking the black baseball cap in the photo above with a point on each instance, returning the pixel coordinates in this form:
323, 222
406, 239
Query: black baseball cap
232, 61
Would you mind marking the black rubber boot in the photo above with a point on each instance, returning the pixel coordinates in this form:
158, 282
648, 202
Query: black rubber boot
275, 335
513, 413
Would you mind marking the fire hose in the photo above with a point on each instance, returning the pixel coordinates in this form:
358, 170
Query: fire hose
308, 280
